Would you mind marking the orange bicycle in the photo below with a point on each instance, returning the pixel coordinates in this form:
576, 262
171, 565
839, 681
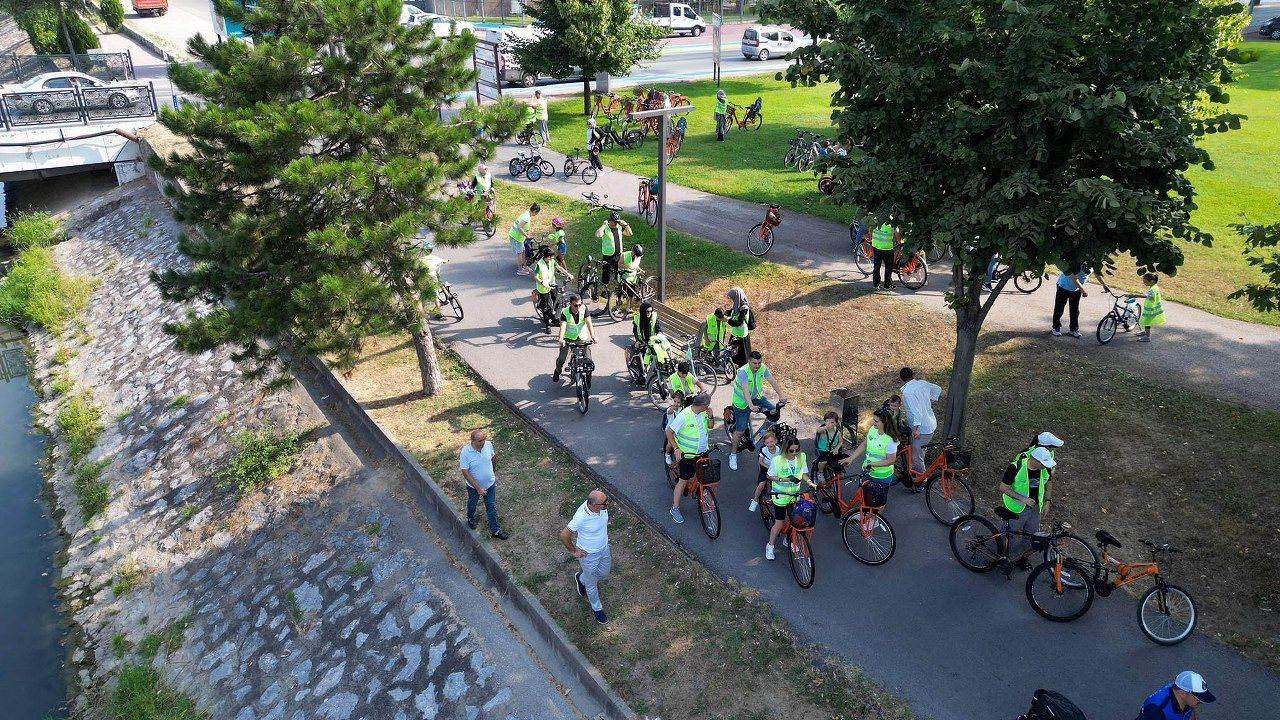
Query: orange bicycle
799, 549
760, 236
703, 486
867, 535
911, 268
647, 201
945, 491
750, 118
608, 108
1166, 613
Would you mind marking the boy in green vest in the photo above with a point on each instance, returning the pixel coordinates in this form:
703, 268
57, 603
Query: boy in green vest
1152, 307
722, 108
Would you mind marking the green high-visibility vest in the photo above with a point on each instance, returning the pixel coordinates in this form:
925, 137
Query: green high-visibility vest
573, 327
1152, 308
877, 451
544, 274
722, 105
685, 385
714, 336
690, 436
788, 473
882, 237
608, 241
517, 227
530, 114
1022, 486
638, 330
740, 330
630, 266
755, 384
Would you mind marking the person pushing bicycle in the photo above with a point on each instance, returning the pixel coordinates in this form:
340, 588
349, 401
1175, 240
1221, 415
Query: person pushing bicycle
749, 383
573, 321
611, 232
687, 433
545, 269
787, 472
1025, 491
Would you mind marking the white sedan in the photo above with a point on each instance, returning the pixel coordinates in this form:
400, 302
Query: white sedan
441, 25
27, 96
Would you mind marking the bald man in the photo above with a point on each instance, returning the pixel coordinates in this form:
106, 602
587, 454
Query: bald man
477, 462
587, 538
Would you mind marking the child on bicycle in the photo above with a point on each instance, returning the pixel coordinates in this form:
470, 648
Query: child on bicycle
768, 452
675, 403
829, 441
1152, 307
788, 472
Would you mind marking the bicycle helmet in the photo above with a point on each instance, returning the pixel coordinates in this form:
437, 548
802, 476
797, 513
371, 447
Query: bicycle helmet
637, 250
614, 216
557, 221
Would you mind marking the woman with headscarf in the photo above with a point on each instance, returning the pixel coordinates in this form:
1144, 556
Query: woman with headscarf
741, 322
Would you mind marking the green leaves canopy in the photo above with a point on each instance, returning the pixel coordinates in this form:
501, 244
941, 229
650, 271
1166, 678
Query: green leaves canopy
598, 36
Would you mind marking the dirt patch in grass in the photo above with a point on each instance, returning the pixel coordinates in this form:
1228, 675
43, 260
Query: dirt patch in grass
713, 651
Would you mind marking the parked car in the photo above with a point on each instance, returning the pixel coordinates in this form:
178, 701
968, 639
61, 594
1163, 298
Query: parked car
150, 7
678, 18
1270, 28
27, 96
509, 69
761, 42
441, 25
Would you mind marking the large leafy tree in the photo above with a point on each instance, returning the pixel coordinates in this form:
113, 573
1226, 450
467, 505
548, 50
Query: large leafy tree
595, 36
1044, 131
316, 157
1261, 243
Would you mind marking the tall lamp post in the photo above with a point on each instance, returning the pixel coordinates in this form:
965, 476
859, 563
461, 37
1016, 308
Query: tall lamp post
662, 113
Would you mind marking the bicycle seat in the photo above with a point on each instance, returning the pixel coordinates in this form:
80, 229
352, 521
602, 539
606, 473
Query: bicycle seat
774, 206
1107, 538
1005, 513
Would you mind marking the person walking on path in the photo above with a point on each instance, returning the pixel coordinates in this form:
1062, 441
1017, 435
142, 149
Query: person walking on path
1178, 700
918, 396
478, 464
1070, 289
540, 103
595, 143
722, 109
1152, 307
587, 538
521, 229
741, 322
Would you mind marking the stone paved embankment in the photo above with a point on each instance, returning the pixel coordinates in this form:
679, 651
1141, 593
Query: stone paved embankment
317, 596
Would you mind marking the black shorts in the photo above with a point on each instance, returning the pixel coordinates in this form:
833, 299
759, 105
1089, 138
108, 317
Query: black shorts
688, 467
780, 511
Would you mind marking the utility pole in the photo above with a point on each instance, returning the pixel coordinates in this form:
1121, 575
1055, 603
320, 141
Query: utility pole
662, 114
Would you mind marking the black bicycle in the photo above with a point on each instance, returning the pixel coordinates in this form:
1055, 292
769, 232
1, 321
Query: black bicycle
549, 306
980, 547
1125, 313
579, 372
590, 288
580, 166
531, 165
630, 137
627, 297
1026, 282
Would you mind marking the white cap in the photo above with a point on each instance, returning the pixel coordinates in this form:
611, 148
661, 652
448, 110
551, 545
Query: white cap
1042, 454
1190, 681
1048, 438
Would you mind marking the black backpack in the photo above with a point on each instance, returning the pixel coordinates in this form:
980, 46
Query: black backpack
1050, 705
751, 319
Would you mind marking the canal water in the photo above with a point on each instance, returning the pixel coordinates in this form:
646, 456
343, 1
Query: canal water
32, 683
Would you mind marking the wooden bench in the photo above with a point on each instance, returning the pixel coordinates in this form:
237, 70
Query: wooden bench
676, 325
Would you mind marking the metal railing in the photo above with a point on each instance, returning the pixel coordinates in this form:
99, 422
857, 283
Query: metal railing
83, 105
16, 67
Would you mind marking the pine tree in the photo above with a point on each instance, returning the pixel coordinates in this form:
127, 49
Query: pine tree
316, 157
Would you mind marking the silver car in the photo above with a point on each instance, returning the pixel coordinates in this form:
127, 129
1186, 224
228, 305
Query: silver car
761, 42
35, 95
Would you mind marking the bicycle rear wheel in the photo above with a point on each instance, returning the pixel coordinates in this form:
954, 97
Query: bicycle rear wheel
800, 557
976, 544
490, 227
515, 167
789, 160
1059, 602
570, 168
862, 257
754, 123
1106, 328
618, 306
1167, 614
1028, 282
935, 253
948, 497
704, 373
914, 273
766, 510
710, 512
533, 172
670, 470
657, 393
586, 288
870, 541
651, 211
759, 239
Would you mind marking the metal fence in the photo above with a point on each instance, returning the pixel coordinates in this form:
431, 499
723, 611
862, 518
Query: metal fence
513, 12
83, 105
16, 67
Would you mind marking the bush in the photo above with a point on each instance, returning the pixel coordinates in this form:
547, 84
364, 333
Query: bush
93, 491
259, 457
81, 34
112, 13
32, 229
78, 419
36, 291
41, 24
141, 694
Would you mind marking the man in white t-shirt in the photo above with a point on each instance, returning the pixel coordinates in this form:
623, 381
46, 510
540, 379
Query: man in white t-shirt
476, 460
587, 538
918, 397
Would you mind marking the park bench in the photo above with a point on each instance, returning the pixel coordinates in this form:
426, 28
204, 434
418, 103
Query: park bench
676, 325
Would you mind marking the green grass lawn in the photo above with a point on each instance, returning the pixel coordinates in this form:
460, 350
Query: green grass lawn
749, 166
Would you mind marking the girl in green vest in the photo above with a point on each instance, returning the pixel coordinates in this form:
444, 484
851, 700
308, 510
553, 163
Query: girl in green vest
879, 450
1152, 307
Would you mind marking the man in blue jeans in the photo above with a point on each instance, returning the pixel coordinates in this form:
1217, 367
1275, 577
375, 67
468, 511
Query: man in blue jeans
477, 463
749, 383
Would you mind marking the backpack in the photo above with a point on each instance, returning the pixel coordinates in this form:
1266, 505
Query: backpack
1049, 705
751, 319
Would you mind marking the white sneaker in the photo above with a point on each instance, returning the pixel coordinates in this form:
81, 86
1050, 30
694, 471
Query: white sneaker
733, 461
755, 505
1055, 332
768, 552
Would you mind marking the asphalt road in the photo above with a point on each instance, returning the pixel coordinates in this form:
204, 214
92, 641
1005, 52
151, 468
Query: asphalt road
958, 646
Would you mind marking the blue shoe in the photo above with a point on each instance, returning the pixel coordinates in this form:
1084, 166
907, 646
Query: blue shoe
676, 515
600, 616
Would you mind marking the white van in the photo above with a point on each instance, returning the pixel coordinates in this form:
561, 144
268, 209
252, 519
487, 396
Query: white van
678, 18
509, 70
761, 42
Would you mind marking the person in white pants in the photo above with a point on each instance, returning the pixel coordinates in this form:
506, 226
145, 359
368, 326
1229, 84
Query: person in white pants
587, 537
918, 397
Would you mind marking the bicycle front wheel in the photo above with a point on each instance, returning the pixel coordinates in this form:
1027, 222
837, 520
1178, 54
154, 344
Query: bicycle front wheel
533, 172
705, 375
588, 174
1055, 600
617, 304
584, 395
710, 512
914, 273
800, 556
948, 497
1106, 328
976, 544
868, 537
1028, 282
1076, 548
766, 511
657, 393
456, 305
862, 257
759, 239
935, 253
789, 160
1167, 614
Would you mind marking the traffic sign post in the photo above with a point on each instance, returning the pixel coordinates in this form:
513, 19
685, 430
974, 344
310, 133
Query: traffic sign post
715, 46
488, 84
662, 113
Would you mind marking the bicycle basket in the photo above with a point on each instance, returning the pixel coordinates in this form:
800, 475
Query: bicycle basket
1050, 705
959, 458
803, 513
785, 433
711, 472
875, 494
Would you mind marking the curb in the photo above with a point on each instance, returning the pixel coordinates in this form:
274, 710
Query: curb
445, 520
147, 43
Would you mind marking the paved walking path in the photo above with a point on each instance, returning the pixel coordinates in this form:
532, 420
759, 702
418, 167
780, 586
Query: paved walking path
1228, 359
957, 645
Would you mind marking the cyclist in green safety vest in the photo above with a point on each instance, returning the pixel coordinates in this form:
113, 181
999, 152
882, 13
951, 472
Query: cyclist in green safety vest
787, 472
1152, 307
481, 182
687, 433
530, 117
574, 320
740, 321
543, 296
714, 331
882, 244
611, 233
748, 393
684, 381
879, 451
1025, 491
645, 323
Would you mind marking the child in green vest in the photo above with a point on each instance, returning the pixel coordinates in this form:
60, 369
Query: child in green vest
1152, 307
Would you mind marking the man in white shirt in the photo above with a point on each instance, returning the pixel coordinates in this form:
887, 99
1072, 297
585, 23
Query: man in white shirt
477, 463
587, 538
540, 103
918, 397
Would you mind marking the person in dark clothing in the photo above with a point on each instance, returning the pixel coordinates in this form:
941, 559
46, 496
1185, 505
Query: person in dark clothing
740, 322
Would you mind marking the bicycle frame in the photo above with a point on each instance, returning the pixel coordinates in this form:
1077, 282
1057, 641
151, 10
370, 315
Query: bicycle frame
939, 465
